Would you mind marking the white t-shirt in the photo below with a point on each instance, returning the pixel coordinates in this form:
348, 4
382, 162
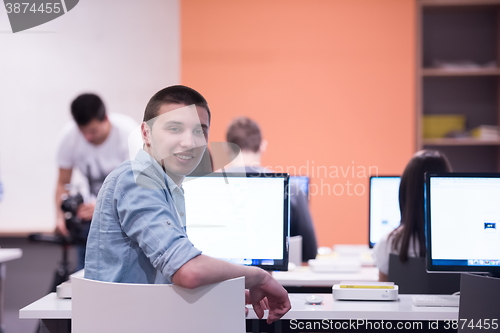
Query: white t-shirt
96, 162
383, 249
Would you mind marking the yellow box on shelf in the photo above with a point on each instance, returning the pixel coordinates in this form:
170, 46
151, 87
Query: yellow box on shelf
438, 125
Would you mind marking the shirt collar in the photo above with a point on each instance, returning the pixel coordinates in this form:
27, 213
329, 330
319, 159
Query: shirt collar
172, 185
145, 159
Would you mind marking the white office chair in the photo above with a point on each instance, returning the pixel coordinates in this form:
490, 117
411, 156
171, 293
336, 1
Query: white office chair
123, 307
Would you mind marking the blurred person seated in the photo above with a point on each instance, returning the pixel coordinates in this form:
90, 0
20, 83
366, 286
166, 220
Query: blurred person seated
408, 240
246, 134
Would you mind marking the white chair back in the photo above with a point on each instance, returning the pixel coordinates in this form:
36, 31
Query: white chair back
123, 307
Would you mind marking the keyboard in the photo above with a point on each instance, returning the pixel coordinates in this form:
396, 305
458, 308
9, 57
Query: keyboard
436, 300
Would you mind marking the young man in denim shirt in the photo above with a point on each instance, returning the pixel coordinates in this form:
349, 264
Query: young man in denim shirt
138, 233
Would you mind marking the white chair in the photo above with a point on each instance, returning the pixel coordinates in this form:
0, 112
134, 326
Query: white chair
123, 307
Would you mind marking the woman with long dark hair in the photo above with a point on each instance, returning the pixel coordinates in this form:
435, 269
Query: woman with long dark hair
408, 240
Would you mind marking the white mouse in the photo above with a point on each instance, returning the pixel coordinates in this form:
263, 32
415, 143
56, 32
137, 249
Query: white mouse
314, 299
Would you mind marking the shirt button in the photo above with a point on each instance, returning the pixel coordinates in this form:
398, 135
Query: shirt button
181, 214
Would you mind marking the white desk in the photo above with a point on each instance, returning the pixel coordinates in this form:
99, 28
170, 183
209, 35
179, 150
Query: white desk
303, 276
47, 307
56, 312
401, 309
10, 254
51, 307
5, 255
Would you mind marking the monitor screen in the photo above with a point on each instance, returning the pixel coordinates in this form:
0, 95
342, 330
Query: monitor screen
240, 218
384, 214
462, 222
302, 183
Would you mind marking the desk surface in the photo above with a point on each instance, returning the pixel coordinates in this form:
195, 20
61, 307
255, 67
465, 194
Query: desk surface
51, 307
47, 307
10, 254
402, 309
304, 276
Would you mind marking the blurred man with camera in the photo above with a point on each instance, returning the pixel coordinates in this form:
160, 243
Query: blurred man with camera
95, 143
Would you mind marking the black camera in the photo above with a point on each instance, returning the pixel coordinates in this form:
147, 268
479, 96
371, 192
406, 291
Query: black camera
77, 228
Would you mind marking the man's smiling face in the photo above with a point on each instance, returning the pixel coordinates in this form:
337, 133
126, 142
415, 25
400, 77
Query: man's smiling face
178, 138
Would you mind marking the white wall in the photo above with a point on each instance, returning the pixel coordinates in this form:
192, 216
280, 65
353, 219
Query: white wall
123, 50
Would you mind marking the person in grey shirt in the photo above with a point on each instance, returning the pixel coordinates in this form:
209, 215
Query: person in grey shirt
137, 234
247, 136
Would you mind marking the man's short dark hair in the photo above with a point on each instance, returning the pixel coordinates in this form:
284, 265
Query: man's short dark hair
245, 133
174, 95
86, 108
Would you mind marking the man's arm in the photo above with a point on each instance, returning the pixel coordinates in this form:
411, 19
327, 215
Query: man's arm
63, 179
148, 219
203, 270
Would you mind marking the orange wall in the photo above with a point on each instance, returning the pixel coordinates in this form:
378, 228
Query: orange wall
331, 82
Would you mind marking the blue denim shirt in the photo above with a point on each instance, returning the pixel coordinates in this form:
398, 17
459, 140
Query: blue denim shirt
136, 235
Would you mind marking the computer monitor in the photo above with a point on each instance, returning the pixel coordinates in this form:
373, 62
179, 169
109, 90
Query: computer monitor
242, 218
384, 213
463, 222
302, 183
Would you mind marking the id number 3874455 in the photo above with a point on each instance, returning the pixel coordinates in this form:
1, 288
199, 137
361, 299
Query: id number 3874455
28, 7
478, 324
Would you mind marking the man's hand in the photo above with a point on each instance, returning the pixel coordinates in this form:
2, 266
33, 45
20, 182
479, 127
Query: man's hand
271, 294
85, 211
264, 291
263, 303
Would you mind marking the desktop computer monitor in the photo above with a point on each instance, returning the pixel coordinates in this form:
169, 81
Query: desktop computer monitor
384, 214
302, 183
242, 218
463, 222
